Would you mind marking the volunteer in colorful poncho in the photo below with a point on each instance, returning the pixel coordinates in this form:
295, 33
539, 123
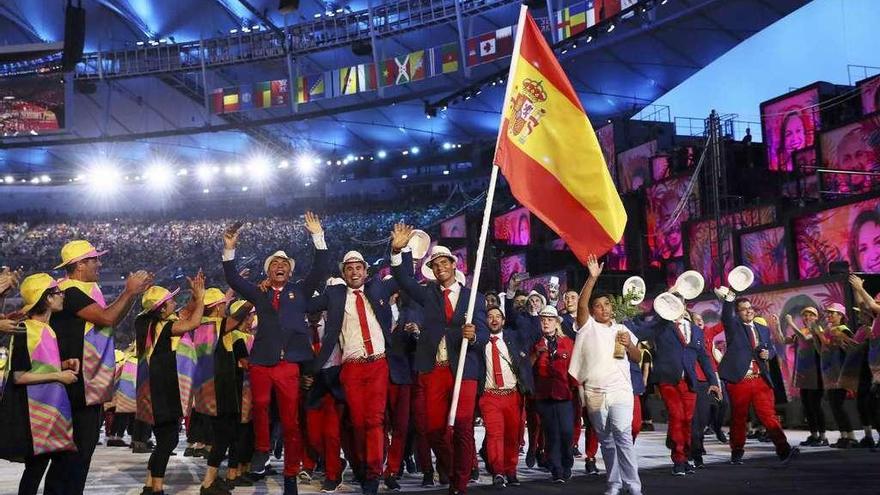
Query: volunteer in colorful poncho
37, 399
158, 387
244, 443
218, 386
85, 332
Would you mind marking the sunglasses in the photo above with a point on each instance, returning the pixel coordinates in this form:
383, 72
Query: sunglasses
54, 292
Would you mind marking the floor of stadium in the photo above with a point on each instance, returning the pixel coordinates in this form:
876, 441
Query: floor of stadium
116, 471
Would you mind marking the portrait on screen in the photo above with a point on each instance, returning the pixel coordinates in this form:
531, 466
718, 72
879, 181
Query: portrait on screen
514, 227
31, 103
855, 148
634, 166
764, 252
870, 90
780, 303
462, 254
664, 230
789, 124
454, 228
846, 233
661, 167
515, 263
702, 247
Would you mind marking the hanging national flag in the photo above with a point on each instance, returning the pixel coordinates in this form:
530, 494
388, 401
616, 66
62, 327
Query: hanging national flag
217, 101
549, 153
416, 65
590, 14
389, 72
262, 95
402, 69
280, 92
346, 78
487, 47
230, 100
245, 98
366, 76
504, 42
448, 57
563, 24
491, 46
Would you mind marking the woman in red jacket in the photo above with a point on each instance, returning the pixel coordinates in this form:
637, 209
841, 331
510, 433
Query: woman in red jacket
551, 356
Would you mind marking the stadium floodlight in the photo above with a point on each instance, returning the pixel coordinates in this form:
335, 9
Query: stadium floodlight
258, 169
244, 188
233, 170
414, 150
183, 172
45, 179
381, 154
35, 180
159, 177
204, 173
447, 146
305, 164
284, 164
446, 172
206, 191
9, 179
404, 176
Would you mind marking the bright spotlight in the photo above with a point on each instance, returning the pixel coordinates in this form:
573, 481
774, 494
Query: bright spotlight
45, 179
305, 164
233, 170
447, 146
284, 164
104, 178
204, 173
404, 176
9, 179
414, 150
381, 154
259, 168
159, 176
244, 188
35, 180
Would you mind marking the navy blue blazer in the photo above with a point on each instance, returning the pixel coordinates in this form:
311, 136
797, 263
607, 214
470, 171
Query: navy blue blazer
281, 334
377, 292
403, 348
739, 354
637, 378
672, 357
430, 297
326, 382
568, 326
519, 336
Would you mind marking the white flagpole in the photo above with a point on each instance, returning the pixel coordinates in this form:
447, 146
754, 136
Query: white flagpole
487, 212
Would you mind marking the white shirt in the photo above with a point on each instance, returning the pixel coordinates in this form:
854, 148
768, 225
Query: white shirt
335, 358
454, 292
685, 327
506, 364
593, 364
351, 338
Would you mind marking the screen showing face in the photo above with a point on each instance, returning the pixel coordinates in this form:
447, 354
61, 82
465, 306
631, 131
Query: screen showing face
780, 303
664, 229
846, 233
789, 124
462, 254
454, 228
855, 148
605, 135
660, 167
703, 250
870, 90
515, 263
514, 228
32, 103
635, 166
764, 252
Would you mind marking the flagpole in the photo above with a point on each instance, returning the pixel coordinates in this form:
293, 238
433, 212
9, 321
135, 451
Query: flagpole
487, 213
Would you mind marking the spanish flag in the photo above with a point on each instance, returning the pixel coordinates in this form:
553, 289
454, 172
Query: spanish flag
549, 154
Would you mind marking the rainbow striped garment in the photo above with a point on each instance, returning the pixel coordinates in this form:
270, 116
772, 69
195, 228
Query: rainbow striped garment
205, 338
98, 363
126, 385
51, 417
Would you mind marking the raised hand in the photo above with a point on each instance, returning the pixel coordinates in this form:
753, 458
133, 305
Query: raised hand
594, 267
400, 235
197, 285
138, 282
230, 237
9, 279
265, 285
313, 223
856, 282
245, 273
514, 283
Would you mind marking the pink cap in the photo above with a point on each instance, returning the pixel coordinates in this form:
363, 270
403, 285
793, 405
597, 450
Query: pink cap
837, 308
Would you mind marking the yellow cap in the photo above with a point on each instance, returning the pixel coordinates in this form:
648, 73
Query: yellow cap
154, 297
33, 287
213, 296
760, 320
74, 251
234, 307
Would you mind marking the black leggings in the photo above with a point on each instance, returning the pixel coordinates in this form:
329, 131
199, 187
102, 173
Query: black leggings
811, 399
35, 467
244, 444
167, 435
141, 431
225, 435
200, 430
121, 423
836, 398
863, 397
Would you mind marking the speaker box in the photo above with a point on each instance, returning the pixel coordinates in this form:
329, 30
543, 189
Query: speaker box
288, 6
74, 36
362, 48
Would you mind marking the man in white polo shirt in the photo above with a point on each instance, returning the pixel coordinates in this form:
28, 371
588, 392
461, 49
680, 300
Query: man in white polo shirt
603, 373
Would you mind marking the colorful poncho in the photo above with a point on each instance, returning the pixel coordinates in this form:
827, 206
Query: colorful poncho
126, 385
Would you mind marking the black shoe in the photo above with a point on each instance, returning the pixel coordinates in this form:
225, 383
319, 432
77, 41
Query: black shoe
792, 455
557, 479
689, 468
499, 482
591, 468
391, 484
202, 452
513, 481
698, 462
330, 486
764, 438
576, 452
867, 442
279, 450
811, 441
752, 435
427, 480
224, 483
566, 474
150, 444
647, 426
721, 436
290, 487
140, 448
304, 477
116, 442
822, 442
216, 488
409, 465
443, 478
370, 487
678, 469
189, 452
475, 474
243, 480
736, 457
530, 459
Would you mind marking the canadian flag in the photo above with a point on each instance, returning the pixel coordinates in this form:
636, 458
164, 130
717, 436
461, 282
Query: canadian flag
487, 47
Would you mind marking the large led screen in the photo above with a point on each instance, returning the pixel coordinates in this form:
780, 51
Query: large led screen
764, 252
846, 233
789, 124
664, 227
856, 148
32, 103
454, 228
514, 227
515, 263
870, 90
634, 166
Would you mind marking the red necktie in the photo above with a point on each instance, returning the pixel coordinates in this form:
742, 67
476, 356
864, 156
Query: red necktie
276, 299
447, 305
751, 328
362, 317
316, 339
681, 334
496, 363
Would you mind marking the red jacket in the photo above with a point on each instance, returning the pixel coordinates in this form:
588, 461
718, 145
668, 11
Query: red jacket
552, 380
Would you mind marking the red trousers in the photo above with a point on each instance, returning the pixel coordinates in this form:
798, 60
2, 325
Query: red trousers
502, 418
323, 434
757, 393
284, 379
578, 420
419, 414
455, 456
591, 438
680, 402
399, 400
366, 394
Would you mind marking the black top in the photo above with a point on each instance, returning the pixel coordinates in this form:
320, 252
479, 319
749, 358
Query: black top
228, 377
164, 387
70, 330
15, 429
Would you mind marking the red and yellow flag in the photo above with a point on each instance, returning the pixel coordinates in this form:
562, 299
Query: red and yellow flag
549, 153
